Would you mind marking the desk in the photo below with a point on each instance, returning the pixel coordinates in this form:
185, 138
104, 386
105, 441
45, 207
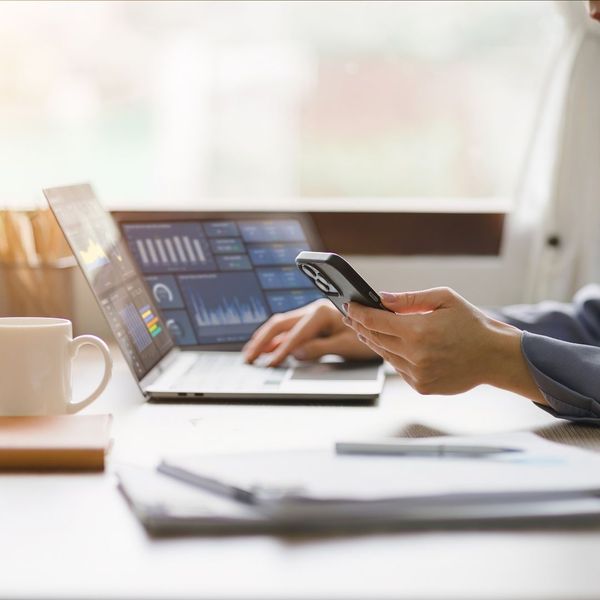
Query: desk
73, 536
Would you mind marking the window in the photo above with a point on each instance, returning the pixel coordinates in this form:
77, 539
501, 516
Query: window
192, 103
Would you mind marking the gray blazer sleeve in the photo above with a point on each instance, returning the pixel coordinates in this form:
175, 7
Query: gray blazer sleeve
578, 321
561, 344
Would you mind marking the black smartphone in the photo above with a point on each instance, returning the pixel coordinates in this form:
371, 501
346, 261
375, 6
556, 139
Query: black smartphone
337, 280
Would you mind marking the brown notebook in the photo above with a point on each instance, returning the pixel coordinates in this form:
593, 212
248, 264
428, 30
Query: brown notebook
58, 443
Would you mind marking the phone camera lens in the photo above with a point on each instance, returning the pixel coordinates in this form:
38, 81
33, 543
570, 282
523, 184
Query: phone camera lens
326, 287
310, 271
322, 285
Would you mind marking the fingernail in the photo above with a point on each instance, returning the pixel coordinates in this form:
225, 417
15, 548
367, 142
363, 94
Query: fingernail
345, 306
386, 295
300, 354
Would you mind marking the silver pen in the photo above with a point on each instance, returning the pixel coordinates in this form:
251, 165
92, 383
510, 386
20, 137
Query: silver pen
410, 449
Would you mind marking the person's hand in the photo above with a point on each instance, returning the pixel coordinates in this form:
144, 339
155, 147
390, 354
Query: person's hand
306, 333
442, 344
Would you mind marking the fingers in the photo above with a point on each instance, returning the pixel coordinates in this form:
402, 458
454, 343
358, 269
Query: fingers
407, 309
392, 343
263, 338
403, 366
373, 319
408, 359
417, 302
309, 327
273, 344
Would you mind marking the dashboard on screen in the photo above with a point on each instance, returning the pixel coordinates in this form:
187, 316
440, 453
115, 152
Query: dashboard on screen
112, 275
217, 280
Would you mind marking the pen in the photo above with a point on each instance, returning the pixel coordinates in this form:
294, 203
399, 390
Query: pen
433, 450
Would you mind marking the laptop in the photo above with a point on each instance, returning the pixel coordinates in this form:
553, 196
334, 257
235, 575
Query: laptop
212, 302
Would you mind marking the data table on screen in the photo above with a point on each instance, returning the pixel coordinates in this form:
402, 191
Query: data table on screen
234, 262
274, 254
282, 278
285, 230
216, 229
227, 246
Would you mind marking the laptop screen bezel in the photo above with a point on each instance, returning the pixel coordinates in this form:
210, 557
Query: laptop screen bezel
87, 189
138, 217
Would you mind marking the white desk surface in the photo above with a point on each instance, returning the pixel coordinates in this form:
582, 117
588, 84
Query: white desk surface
73, 536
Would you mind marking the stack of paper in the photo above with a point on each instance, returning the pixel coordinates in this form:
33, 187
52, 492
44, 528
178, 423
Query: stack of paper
318, 489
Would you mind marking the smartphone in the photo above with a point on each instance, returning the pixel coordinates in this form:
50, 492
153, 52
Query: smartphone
337, 280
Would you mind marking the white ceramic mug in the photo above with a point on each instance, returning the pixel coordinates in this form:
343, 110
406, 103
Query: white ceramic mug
35, 366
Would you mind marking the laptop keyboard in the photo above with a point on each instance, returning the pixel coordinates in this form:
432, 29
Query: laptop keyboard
216, 371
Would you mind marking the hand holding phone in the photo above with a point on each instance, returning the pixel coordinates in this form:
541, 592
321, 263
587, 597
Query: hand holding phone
337, 280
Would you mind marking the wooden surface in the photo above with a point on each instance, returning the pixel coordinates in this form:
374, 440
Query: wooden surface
73, 536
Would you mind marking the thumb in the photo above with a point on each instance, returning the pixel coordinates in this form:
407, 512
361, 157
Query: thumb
417, 302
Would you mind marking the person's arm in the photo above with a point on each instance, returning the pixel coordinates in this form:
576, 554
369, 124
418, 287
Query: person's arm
442, 344
561, 346
577, 321
567, 374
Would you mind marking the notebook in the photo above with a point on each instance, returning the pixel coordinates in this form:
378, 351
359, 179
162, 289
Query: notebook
54, 443
320, 483
168, 506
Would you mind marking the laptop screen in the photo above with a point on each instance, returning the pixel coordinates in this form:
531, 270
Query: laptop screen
217, 279
113, 276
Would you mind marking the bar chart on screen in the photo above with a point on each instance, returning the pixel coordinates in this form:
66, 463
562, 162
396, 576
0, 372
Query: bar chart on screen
170, 247
150, 320
135, 327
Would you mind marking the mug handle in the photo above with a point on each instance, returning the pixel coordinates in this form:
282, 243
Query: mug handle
92, 340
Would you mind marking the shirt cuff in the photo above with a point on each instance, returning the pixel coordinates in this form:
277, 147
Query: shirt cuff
549, 360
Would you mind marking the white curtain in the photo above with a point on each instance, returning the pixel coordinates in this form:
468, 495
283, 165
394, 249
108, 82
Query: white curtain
556, 223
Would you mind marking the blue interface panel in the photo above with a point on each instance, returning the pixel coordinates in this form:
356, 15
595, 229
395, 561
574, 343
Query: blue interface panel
217, 281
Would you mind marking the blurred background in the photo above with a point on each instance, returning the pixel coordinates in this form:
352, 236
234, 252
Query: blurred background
197, 104
488, 109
